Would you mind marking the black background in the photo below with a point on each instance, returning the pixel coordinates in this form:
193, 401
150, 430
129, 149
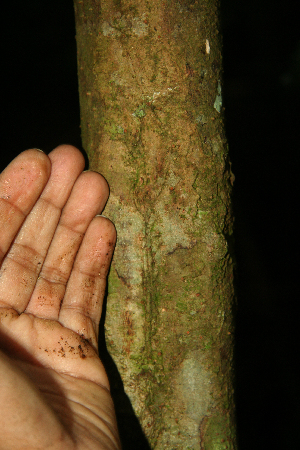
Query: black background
40, 108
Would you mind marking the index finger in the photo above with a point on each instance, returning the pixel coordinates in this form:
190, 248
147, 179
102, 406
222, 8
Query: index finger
21, 183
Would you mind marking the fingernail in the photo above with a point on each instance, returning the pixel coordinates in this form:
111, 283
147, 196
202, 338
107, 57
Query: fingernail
101, 215
38, 149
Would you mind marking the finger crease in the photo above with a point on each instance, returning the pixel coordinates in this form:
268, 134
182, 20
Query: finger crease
49, 202
56, 277
82, 311
68, 227
26, 257
13, 205
95, 276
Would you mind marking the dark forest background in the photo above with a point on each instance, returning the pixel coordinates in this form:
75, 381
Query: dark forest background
40, 108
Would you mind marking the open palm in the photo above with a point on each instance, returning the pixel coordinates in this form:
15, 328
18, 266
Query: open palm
54, 255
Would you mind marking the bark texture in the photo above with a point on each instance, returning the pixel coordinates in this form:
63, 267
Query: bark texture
151, 106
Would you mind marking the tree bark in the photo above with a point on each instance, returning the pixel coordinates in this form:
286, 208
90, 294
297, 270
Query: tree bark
151, 106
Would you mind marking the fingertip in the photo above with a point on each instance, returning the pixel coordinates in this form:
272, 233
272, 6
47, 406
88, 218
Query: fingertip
96, 187
68, 152
107, 227
30, 170
104, 184
37, 160
97, 178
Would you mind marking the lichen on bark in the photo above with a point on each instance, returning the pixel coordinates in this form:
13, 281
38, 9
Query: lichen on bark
149, 77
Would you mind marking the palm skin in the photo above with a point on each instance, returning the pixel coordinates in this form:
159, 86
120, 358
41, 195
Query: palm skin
54, 255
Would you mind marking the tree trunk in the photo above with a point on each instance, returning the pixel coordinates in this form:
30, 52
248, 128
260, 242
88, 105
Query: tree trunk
151, 106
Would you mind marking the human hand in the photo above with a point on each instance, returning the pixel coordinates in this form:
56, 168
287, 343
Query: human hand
54, 256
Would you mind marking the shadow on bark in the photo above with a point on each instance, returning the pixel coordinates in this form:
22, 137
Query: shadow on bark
131, 433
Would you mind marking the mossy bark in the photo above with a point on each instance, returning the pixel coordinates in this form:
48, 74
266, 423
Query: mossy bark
151, 106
